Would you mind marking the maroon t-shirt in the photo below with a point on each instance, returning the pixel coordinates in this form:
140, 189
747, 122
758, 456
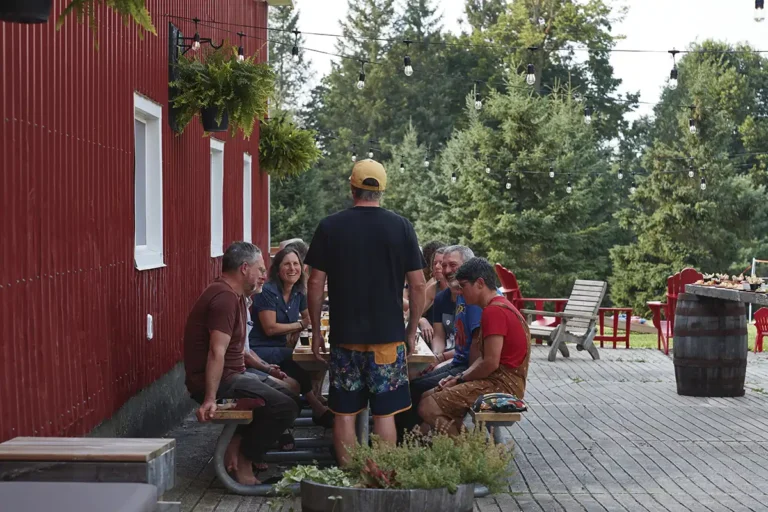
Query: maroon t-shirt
219, 308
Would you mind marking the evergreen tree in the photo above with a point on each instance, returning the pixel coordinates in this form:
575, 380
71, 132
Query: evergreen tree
292, 75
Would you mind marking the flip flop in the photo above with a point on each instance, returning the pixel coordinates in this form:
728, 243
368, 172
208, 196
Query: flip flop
286, 439
326, 420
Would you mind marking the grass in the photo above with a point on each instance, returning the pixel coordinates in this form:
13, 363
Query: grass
642, 340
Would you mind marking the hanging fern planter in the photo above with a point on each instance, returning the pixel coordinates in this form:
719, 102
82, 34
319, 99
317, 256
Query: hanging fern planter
284, 149
227, 94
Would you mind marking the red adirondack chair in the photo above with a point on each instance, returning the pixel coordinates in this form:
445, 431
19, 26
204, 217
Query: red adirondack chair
511, 291
761, 322
664, 312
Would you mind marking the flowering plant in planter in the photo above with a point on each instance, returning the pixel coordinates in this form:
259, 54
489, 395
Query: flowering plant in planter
235, 90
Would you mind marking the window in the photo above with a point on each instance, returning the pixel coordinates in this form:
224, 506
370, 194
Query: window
217, 198
247, 198
147, 183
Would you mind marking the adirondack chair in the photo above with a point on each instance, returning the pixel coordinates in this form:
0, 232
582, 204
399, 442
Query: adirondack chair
511, 291
761, 322
664, 312
577, 321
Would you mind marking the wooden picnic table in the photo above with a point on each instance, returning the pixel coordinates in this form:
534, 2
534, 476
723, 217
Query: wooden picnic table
417, 361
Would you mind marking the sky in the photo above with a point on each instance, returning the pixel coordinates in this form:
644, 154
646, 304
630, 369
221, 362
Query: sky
649, 25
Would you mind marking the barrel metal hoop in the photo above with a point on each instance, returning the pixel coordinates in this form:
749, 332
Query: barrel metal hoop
697, 333
710, 363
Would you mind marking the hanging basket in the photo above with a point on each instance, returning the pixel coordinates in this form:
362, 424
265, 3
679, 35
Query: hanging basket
25, 11
208, 115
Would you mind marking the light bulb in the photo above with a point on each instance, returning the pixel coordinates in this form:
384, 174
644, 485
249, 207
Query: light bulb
295, 53
361, 81
530, 77
759, 10
196, 44
402, 168
690, 173
354, 157
551, 172
487, 170
508, 186
426, 162
241, 58
241, 54
408, 69
453, 177
692, 126
633, 188
370, 154
569, 188
703, 183
673, 79
587, 115
478, 103
620, 175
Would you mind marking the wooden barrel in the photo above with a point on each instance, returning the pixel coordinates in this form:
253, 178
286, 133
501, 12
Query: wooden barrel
325, 498
710, 346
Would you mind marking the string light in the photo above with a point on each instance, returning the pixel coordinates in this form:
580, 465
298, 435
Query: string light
691, 173
354, 157
703, 185
453, 177
370, 153
408, 70
196, 39
620, 174
354, 152
295, 49
361, 78
633, 186
487, 170
426, 162
588, 114
241, 50
551, 171
402, 167
673, 72
478, 102
692, 126
759, 10
530, 77
508, 186
569, 188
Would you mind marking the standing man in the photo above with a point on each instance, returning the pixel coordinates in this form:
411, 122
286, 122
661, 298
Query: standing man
215, 356
366, 253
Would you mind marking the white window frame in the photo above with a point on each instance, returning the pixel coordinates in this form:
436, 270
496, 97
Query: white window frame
247, 198
150, 256
217, 198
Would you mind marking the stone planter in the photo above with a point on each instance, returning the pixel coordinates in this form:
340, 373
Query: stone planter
327, 498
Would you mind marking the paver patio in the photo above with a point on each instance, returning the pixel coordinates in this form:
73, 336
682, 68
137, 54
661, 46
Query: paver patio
600, 435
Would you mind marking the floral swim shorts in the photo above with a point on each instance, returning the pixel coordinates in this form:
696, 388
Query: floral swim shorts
360, 373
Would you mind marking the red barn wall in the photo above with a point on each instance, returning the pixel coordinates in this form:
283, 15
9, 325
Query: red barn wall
73, 307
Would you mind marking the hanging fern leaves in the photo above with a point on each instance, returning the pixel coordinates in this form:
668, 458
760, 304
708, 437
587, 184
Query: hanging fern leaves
217, 79
284, 149
127, 9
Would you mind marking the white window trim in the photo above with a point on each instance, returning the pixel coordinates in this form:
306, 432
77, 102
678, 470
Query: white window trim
217, 246
247, 198
150, 256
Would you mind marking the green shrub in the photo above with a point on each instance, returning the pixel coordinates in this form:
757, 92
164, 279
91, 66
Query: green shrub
284, 149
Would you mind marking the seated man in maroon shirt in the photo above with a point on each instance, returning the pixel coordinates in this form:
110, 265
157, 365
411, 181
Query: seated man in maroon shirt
504, 345
215, 357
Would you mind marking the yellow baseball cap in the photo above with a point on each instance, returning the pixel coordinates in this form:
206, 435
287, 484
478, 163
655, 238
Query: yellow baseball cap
365, 169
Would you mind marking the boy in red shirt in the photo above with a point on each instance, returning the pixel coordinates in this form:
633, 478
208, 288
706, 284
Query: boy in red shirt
504, 346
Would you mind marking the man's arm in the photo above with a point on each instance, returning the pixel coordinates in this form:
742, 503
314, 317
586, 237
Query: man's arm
417, 287
268, 321
438, 338
474, 347
214, 367
488, 362
315, 289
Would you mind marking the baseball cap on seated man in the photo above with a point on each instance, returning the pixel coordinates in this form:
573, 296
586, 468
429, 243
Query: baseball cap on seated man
369, 170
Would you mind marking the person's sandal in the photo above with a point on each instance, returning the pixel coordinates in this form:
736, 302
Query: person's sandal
326, 420
286, 439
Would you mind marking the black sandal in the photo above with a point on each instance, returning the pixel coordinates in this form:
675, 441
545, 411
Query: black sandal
326, 420
285, 439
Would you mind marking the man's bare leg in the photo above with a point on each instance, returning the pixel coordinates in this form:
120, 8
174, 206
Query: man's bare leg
244, 472
232, 453
344, 435
385, 428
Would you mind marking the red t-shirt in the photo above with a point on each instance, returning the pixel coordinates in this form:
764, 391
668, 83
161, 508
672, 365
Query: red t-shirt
218, 308
500, 321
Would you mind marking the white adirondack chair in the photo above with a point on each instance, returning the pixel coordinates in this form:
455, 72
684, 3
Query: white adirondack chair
578, 321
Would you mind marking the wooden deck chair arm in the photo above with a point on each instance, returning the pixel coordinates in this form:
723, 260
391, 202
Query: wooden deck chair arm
562, 314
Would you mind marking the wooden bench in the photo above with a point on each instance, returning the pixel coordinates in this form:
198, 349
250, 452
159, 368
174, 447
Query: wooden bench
91, 459
493, 420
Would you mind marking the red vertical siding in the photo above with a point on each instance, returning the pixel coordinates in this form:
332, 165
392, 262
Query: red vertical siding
73, 308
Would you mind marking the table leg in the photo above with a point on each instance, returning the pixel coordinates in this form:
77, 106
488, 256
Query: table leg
361, 426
